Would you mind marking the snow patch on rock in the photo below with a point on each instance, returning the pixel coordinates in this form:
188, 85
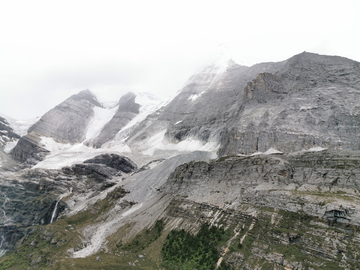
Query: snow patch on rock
9, 146
268, 152
316, 149
101, 117
159, 142
194, 97
66, 154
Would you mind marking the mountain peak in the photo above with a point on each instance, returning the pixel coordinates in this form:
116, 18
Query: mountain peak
222, 53
87, 95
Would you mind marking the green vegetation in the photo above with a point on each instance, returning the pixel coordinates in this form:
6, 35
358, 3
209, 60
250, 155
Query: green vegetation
296, 237
143, 240
183, 250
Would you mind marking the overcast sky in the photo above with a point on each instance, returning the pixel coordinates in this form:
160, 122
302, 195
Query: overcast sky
50, 50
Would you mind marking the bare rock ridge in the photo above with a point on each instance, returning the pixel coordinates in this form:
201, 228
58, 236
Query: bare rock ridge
127, 110
66, 123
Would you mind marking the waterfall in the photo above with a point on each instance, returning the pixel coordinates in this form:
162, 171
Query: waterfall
6, 199
56, 205
54, 212
2, 251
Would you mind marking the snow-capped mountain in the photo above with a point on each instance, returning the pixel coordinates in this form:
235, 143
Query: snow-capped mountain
241, 148
224, 108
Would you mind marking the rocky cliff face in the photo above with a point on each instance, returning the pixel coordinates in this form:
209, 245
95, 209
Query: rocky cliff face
307, 103
277, 181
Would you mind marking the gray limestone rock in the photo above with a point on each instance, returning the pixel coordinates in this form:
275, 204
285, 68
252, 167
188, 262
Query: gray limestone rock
98, 171
262, 180
28, 149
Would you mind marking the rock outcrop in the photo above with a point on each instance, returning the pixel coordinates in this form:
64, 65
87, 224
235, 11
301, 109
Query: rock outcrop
120, 163
291, 182
102, 167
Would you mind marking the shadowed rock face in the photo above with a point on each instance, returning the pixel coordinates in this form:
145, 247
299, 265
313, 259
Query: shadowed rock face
24, 205
127, 110
102, 167
117, 162
28, 149
66, 123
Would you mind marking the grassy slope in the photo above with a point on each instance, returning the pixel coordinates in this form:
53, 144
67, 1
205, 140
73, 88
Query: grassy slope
47, 247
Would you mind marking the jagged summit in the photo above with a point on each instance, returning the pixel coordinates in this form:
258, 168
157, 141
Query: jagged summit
88, 96
219, 61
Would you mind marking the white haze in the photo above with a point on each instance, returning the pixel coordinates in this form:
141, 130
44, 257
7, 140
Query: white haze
50, 50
